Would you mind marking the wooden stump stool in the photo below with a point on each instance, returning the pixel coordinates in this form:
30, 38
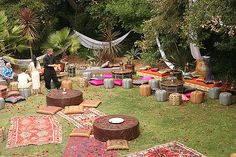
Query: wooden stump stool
127, 83
108, 83
175, 99
66, 84
3, 91
25, 92
145, 90
161, 95
197, 97
87, 75
2, 103
83, 82
214, 93
153, 83
14, 86
225, 98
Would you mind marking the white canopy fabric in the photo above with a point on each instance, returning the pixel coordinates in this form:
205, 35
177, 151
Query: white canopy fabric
95, 44
19, 61
163, 55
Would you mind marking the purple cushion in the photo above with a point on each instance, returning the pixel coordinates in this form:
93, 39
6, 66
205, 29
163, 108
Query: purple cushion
107, 75
14, 99
96, 82
118, 82
147, 78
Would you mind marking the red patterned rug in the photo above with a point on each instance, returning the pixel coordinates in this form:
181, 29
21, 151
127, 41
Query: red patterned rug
87, 147
84, 120
36, 130
172, 149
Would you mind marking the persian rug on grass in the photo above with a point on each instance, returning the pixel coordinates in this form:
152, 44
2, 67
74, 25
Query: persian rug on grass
35, 130
84, 120
172, 149
87, 147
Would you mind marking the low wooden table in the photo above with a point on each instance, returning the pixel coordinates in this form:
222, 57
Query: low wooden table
57, 98
121, 74
104, 130
172, 86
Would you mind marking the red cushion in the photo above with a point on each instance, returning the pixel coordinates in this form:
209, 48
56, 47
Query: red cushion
118, 82
96, 82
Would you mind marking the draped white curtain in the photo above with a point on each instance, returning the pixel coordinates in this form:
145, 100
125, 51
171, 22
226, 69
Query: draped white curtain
95, 44
19, 61
163, 55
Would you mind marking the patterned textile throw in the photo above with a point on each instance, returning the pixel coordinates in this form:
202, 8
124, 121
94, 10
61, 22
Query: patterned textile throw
36, 130
84, 120
172, 149
87, 147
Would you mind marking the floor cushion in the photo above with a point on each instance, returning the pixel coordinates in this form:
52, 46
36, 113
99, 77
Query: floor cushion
118, 82
147, 78
96, 82
105, 65
90, 103
13, 93
107, 75
81, 132
14, 99
74, 109
117, 144
48, 109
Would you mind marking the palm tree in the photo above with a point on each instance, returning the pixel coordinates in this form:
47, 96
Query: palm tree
30, 23
10, 36
62, 42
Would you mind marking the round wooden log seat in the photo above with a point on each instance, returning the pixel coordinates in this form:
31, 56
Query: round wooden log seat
3, 91
61, 99
105, 130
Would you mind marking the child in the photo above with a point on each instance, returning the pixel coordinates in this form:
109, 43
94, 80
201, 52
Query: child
24, 79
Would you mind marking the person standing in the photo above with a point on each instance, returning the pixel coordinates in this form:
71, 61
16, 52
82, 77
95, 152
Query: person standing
34, 68
49, 71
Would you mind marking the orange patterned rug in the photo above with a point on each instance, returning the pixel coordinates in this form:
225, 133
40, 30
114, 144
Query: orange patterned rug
35, 130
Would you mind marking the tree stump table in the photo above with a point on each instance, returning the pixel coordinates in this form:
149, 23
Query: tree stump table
122, 74
104, 130
61, 99
3, 91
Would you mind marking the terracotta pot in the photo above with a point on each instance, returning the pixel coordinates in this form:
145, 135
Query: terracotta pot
130, 67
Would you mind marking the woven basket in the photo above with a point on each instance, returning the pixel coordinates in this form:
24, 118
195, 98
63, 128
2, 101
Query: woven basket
145, 90
83, 82
197, 97
14, 86
175, 99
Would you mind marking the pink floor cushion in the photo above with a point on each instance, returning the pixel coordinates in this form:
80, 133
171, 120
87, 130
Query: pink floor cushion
184, 97
96, 82
147, 78
188, 95
118, 82
107, 75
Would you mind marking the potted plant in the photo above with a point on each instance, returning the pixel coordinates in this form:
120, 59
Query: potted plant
131, 55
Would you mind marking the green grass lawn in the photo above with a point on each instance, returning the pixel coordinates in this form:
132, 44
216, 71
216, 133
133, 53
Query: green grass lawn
208, 127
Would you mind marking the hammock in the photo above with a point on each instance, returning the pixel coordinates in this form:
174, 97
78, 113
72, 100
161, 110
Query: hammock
19, 61
163, 55
95, 44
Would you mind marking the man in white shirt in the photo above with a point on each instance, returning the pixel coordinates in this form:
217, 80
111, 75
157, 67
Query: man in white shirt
24, 79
